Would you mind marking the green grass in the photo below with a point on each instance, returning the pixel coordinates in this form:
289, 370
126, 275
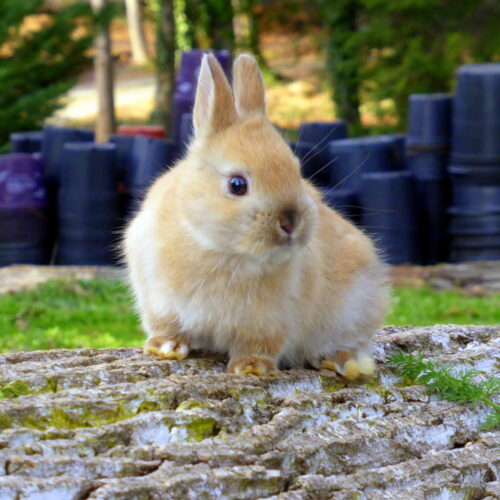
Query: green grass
65, 314
423, 306
98, 313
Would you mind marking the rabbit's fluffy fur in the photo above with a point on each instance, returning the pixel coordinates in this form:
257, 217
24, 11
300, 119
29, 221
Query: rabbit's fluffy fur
222, 272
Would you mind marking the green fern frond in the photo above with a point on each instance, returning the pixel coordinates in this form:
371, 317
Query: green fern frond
441, 379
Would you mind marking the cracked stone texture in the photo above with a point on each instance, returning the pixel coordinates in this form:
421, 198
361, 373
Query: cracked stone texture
116, 424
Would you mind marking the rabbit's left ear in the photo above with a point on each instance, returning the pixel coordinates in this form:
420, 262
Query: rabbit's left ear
248, 86
214, 108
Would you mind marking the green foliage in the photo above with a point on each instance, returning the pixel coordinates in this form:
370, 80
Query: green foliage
344, 58
39, 60
205, 25
458, 386
404, 47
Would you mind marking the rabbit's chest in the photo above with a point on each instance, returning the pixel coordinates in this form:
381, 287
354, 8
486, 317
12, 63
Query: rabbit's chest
227, 301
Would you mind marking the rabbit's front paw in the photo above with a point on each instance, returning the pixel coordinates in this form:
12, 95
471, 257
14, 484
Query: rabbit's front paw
345, 364
166, 348
252, 365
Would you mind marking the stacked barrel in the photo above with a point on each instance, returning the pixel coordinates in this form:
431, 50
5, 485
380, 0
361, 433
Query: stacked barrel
88, 209
428, 144
388, 213
475, 165
23, 210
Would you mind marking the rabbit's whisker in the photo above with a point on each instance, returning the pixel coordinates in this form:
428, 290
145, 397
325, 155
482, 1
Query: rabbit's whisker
354, 171
307, 157
322, 168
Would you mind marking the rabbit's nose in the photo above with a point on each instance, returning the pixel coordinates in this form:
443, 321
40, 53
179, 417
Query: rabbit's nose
288, 220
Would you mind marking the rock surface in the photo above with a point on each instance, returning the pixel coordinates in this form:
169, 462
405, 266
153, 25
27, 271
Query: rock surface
115, 424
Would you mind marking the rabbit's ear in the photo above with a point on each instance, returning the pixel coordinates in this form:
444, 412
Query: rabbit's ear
248, 85
214, 108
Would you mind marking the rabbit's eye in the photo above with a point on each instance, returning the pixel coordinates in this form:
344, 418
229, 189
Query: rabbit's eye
238, 185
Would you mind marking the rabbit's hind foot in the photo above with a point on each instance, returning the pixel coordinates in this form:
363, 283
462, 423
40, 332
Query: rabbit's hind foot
350, 366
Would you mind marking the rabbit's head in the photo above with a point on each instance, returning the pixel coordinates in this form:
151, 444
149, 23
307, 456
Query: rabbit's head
241, 191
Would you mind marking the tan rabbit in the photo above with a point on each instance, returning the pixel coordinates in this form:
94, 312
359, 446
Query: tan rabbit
233, 251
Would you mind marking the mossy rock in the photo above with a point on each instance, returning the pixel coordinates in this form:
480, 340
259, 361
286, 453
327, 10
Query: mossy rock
116, 424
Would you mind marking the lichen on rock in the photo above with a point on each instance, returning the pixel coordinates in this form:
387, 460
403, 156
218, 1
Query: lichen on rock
116, 424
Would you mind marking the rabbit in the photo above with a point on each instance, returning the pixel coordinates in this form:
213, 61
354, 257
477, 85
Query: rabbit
233, 251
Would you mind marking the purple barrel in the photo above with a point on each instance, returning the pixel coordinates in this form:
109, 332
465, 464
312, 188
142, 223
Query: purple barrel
185, 87
26, 142
23, 210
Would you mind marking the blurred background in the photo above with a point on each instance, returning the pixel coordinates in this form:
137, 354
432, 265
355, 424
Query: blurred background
392, 107
357, 60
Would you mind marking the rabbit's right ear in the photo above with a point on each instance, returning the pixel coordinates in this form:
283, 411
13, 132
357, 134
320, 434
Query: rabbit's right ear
214, 108
248, 86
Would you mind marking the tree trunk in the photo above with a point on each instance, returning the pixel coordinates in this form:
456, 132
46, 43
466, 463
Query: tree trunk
247, 31
343, 58
165, 62
136, 32
105, 124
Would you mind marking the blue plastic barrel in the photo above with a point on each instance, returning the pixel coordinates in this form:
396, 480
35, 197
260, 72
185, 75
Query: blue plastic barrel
322, 132
26, 142
476, 118
351, 158
399, 149
343, 201
389, 215
474, 254
312, 148
475, 241
473, 221
427, 164
88, 205
23, 210
475, 197
486, 175
312, 165
150, 158
124, 145
432, 200
429, 120
54, 139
